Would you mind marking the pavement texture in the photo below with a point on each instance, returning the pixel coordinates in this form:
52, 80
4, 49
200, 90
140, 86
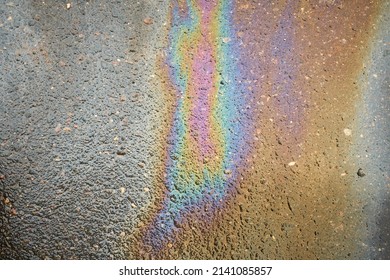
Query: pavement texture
194, 129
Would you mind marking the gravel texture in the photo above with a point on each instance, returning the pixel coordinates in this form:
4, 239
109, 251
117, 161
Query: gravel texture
218, 130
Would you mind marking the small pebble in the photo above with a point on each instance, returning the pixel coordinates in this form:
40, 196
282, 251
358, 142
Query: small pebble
148, 21
58, 128
226, 40
347, 132
360, 173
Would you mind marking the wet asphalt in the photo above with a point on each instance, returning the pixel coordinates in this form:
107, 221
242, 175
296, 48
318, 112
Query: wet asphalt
83, 137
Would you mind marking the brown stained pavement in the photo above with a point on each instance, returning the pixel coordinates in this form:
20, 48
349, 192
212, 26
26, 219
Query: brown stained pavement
309, 210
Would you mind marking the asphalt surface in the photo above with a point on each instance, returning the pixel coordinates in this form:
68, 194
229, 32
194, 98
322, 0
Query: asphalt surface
77, 126
95, 96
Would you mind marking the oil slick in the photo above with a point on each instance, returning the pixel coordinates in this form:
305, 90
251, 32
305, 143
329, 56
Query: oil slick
204, 148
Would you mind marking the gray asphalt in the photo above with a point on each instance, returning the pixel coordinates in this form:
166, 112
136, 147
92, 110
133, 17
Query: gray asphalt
77, 136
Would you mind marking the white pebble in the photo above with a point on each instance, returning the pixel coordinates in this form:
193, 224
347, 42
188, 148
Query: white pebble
347, 132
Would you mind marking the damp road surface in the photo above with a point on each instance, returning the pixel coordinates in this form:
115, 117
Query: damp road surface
194, 129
